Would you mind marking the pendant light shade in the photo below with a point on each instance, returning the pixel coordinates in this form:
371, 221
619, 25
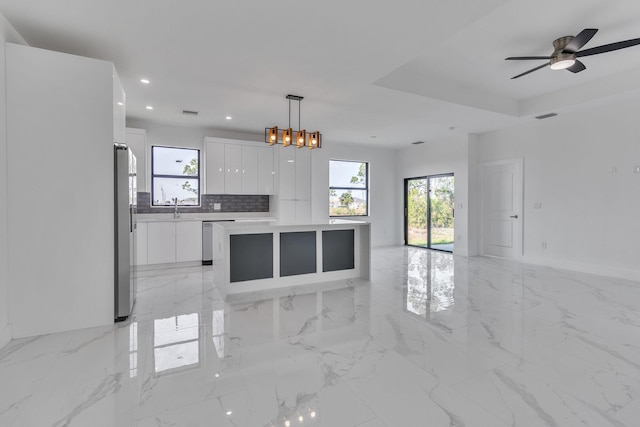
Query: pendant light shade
286, 136
273, 135
301, 137
315, 140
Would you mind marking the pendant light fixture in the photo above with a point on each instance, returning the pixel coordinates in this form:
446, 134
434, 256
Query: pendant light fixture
285, 137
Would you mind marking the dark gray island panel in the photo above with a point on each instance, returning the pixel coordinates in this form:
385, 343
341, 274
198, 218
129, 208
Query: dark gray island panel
251, 256
297, 253
337, 250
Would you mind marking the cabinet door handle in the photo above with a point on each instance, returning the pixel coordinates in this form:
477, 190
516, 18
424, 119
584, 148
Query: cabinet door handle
514, 216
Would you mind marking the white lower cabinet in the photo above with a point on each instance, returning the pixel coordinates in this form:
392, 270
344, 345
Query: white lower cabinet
188, 241
171, 241
141, 243
161, 242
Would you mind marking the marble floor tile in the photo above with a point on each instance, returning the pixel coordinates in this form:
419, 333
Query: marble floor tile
432, 339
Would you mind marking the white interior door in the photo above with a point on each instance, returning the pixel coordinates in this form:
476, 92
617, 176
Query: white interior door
501, 186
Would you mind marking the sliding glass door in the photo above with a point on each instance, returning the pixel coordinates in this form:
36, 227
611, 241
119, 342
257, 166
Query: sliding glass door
429, 203
416, 224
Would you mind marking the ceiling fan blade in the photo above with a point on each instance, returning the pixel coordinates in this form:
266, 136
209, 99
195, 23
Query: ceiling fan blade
526, 57
530, 71
580, 40
608, 47
577, 67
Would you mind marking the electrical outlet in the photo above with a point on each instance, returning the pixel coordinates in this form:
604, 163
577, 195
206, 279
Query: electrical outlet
613, 170
537, 205
544, 245
217, 206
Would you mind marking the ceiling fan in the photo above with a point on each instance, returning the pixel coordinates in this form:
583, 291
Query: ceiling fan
567, 50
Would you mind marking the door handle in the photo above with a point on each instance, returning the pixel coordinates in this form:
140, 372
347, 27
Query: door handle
514, 216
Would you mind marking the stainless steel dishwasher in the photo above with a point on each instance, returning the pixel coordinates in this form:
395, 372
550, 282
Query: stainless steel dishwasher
207, 241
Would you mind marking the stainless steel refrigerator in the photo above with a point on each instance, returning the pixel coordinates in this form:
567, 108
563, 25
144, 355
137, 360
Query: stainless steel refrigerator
125, 185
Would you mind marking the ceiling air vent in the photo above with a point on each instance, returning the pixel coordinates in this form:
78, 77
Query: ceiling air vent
546, 116
189, 113
418, 142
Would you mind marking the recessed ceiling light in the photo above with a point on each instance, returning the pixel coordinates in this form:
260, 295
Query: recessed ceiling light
145, 81
120, 103
149, 107
228, 117
229, 412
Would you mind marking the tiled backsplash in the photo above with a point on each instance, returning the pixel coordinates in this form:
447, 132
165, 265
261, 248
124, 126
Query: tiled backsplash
228, 203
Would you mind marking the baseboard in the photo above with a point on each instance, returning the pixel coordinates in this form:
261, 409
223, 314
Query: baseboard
619, 273
5, 336
152, 267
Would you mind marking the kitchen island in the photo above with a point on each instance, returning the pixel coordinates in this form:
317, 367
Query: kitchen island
250, 256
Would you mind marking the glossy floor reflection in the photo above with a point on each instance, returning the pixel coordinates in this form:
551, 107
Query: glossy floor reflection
432, 340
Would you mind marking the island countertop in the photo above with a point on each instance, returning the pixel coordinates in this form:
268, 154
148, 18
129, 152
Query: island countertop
249, 224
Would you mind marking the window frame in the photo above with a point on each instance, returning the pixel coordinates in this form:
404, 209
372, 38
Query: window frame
365, 188
154, 175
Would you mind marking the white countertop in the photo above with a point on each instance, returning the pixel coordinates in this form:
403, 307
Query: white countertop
238, 216
252, 225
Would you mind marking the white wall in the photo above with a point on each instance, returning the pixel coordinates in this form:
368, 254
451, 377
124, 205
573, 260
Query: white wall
439, 157
7, 34
60, 191
589, 216
382, 176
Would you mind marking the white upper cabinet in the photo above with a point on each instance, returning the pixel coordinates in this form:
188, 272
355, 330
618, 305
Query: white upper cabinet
233, 164
303, 174
119, 111
215, 170
249, 169
238, 167
287, 157
294, 185
295, 173
266, 170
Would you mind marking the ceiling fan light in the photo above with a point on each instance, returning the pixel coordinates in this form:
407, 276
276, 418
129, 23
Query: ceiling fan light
562, 61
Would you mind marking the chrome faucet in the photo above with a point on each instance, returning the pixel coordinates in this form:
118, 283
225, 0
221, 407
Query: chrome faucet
176, 214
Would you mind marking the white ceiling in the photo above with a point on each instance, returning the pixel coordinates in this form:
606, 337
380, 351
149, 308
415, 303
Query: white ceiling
403, 70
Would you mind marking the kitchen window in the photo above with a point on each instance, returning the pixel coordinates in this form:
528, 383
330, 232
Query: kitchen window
348, 188
175, 174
